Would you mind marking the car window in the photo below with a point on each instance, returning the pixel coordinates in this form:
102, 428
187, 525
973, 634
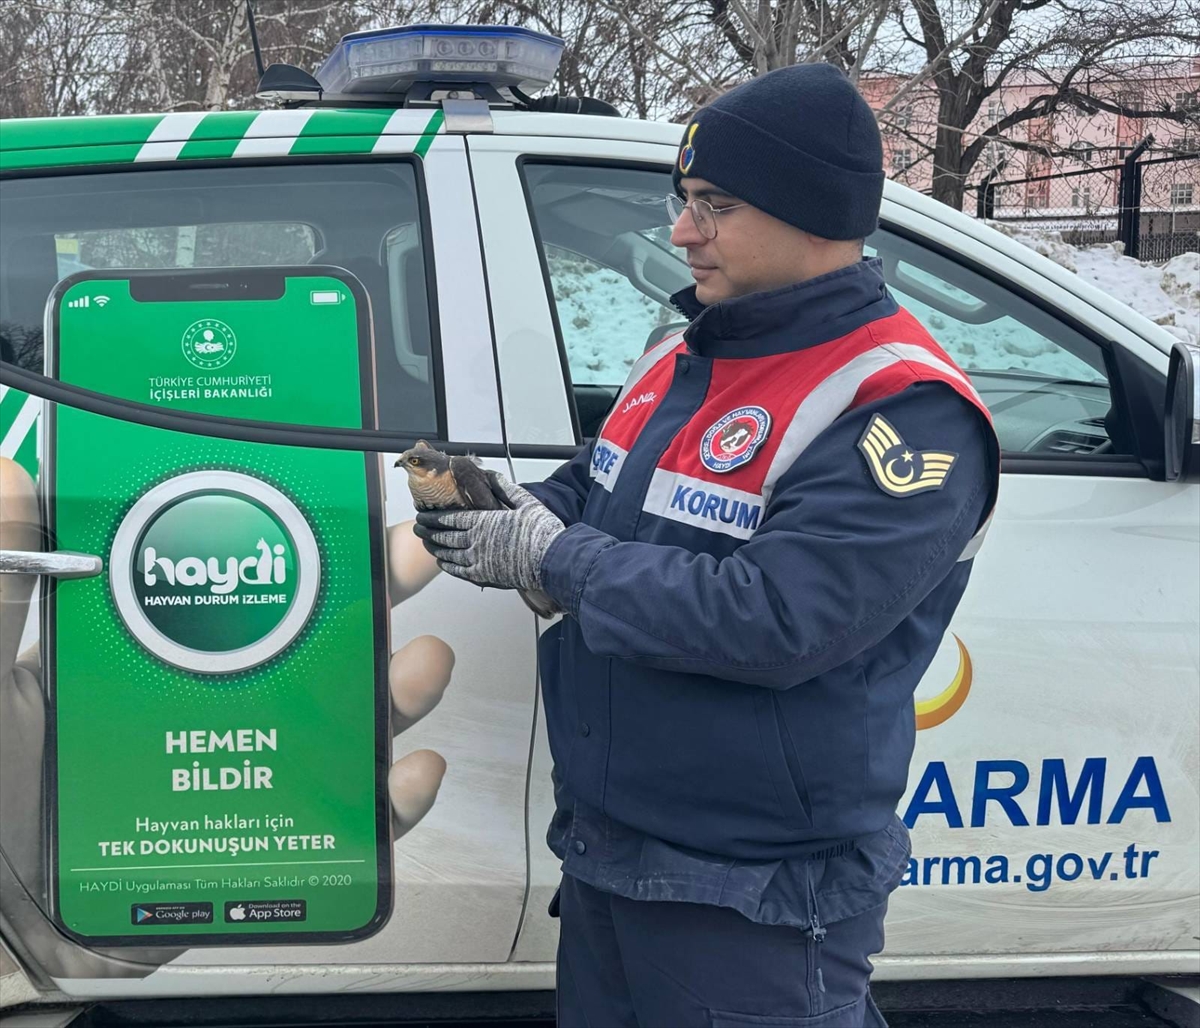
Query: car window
365, 218
610, 271
1045, 384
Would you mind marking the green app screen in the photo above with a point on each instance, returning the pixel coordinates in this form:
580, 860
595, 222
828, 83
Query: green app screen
216, 689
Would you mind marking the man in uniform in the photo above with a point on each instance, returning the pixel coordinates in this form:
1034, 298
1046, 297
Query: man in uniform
756, 564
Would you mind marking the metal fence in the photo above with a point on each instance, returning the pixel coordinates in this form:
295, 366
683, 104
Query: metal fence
1150, 204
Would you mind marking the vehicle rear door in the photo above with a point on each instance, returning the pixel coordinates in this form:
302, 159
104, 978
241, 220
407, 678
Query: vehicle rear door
463, 692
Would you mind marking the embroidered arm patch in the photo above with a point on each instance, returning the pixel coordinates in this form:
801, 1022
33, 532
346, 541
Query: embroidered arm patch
897, 468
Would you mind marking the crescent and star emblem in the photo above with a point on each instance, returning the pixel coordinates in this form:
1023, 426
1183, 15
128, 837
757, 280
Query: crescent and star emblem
898, 469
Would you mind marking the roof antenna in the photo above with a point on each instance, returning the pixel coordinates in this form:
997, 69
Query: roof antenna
254, 38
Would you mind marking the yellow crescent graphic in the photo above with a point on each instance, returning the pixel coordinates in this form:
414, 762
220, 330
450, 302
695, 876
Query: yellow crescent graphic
943, 706
894, 477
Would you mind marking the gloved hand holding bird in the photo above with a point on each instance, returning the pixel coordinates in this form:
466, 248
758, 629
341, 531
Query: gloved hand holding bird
480, 526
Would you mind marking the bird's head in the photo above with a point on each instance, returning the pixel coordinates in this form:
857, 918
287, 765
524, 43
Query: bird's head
423, 461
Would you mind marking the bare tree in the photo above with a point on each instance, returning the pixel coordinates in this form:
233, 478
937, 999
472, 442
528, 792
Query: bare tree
55, 58
935, 69
1070, 59
197, 54
109, 56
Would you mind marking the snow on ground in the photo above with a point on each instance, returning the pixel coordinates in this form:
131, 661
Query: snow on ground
605, 320
1168, 294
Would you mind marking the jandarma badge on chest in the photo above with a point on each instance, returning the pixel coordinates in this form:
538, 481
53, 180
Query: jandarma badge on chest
733, 440
897, 468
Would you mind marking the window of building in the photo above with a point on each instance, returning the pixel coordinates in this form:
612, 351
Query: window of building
996, 110
901, 161
1187, 100
1081, 195
1182, 194
994, 156
1082, 151
1130, 98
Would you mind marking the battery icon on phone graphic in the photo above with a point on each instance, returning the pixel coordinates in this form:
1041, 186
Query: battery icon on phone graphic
326, 296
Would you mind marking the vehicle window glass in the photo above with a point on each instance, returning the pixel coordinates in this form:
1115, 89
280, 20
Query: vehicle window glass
611, 270
365, 218
1044, 383
603, 317
249, 244
604, 237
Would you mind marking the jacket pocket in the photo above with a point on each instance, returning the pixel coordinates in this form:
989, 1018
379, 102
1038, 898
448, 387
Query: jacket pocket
792, 794
851, 1015
792, 759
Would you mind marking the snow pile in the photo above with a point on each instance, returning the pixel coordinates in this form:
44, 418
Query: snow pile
605, 321
1167, 294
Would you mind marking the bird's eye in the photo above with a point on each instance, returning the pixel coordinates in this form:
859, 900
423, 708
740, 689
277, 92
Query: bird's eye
415, 461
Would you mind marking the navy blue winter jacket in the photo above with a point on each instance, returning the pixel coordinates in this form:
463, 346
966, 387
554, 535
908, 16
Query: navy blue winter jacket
766, 542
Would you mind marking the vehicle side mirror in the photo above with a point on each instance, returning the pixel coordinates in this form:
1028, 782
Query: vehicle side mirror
1182, 423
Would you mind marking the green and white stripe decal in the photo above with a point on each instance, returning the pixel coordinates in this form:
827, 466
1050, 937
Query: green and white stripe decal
192, 135
396, 133
217, 135
168, 136
196, 135
18, 419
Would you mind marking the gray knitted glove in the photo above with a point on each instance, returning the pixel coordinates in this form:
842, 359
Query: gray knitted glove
500, 548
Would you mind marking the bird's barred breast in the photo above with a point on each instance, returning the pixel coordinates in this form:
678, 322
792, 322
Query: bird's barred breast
436, 491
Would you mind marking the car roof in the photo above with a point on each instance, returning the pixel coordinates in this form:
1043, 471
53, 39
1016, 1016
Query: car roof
129, 130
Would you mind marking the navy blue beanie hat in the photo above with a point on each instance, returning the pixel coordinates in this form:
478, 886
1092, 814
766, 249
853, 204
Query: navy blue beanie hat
799, 143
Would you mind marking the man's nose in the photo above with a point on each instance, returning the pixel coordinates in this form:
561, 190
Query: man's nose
684, 232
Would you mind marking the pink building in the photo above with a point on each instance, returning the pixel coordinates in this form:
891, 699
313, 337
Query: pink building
1078, 142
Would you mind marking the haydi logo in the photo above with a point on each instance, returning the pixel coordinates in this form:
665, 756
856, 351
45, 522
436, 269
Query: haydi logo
214, 571
260, 569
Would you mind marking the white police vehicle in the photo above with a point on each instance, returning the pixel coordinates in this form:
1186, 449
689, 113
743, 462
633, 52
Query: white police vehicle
517, 261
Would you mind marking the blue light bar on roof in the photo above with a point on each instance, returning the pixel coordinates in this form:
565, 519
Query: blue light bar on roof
391, 60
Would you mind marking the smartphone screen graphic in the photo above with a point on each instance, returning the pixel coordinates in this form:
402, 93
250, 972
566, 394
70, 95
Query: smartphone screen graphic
219, 693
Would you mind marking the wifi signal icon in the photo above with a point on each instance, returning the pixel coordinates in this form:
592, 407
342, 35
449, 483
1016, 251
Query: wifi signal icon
100, 300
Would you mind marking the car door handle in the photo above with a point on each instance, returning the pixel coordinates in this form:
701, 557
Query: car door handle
58, 564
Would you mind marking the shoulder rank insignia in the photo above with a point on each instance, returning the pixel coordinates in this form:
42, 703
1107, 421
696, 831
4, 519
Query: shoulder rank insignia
898, 469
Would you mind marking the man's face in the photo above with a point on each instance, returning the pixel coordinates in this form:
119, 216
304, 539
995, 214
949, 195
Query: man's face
752, 250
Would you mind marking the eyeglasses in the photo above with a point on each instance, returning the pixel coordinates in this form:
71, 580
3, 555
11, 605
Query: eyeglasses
704, 214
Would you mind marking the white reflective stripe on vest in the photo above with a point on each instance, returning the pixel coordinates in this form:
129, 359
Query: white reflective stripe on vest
830, 399
607, 461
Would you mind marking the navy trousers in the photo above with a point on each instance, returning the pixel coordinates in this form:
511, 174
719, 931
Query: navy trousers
645, 964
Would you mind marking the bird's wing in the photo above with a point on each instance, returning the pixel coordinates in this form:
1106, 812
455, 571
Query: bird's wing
498, 493
473, 483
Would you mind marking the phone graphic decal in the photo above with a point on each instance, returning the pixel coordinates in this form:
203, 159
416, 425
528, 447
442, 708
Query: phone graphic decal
219, 693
